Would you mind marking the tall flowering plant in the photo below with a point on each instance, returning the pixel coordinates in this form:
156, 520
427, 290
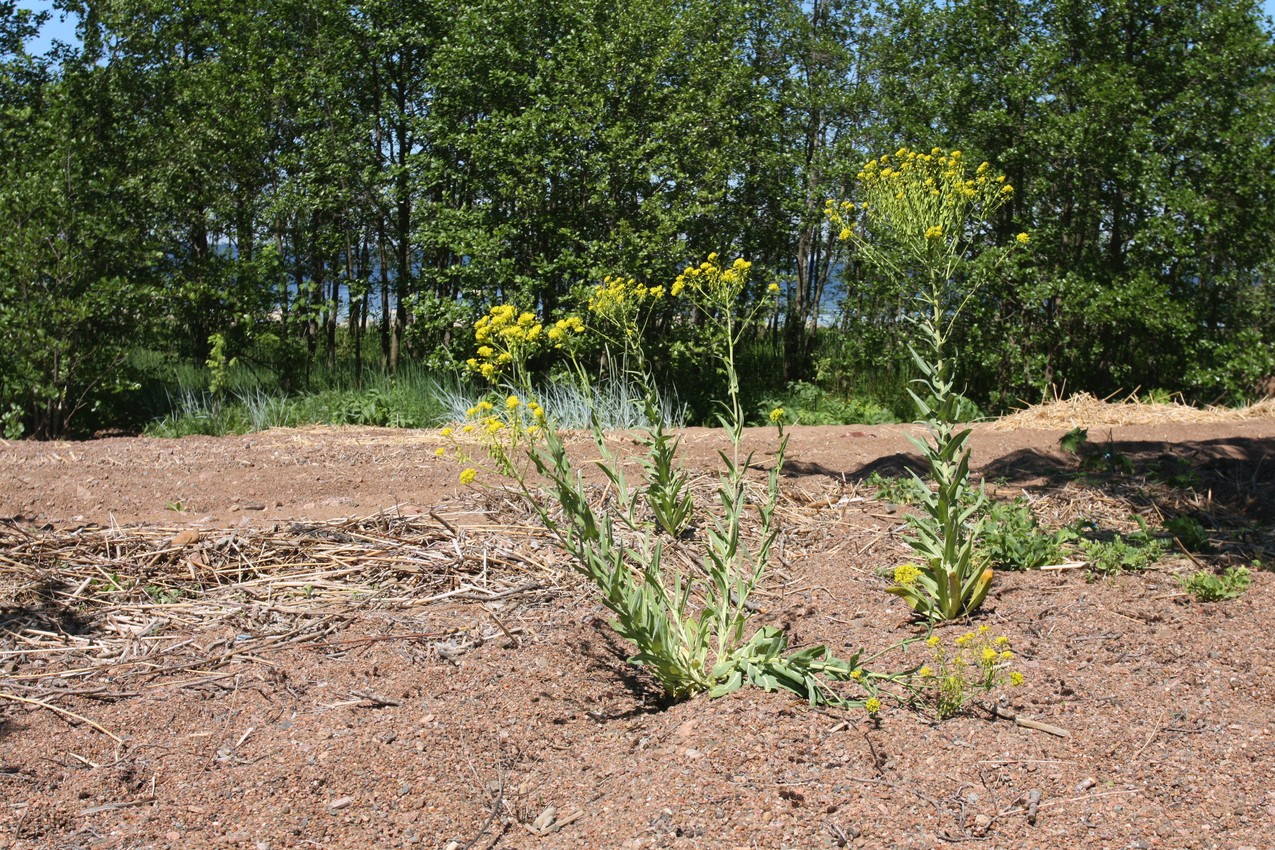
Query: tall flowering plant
690, 626
919, 218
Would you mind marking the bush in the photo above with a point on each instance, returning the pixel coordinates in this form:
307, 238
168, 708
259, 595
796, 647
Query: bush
807, 404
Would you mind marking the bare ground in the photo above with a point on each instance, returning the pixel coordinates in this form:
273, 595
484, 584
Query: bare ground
317, 638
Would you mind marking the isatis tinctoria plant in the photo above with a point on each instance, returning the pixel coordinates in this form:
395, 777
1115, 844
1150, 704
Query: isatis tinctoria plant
688, 617
918, 220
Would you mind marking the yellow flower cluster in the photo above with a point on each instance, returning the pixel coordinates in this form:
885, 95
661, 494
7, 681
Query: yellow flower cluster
504, 431
906, 574
619, 301
923, 199
565, 330
713, 286
506, 338
979, 662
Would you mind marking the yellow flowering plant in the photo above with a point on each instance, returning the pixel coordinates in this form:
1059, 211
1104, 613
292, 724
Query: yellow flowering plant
690, 626
952, 675
506, 430
719, 291
506, 338
918, 221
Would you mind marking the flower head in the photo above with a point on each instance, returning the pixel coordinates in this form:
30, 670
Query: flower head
906, 575
468, 475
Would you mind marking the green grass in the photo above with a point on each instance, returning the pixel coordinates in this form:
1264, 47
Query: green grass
411, 399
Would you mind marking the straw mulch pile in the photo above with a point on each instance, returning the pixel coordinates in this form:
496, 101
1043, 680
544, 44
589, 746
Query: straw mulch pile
1086, 410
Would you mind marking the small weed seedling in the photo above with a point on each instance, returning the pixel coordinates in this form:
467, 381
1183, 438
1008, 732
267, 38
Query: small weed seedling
1106, 458
1013, 539
1189, 532
1138, 551
896, 491
1211, 587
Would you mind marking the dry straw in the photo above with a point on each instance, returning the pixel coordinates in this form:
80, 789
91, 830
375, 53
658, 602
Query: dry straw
1088, 411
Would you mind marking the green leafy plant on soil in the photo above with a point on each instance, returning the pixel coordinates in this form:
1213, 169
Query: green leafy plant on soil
809, 404
920, 216
691, 627
1190, 532
900, 490
1012, 538
1138, 551
1207, 586
1094, 458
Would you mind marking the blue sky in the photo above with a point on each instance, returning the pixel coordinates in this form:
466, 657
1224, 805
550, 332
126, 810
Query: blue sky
65, 30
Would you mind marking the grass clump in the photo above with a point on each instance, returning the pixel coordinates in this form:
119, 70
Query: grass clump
412, 399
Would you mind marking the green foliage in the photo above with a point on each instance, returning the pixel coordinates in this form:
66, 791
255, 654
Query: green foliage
1074, 441
1178, 472
1138, 551
1143, 259
901, 490
1094, 458
298, 185
219, 364
1206, 586
667, 491
413, 399
76, 272
1190, 532
1012, 539
11, 426
807, 404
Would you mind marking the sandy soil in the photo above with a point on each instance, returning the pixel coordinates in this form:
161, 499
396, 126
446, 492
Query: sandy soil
183, 665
